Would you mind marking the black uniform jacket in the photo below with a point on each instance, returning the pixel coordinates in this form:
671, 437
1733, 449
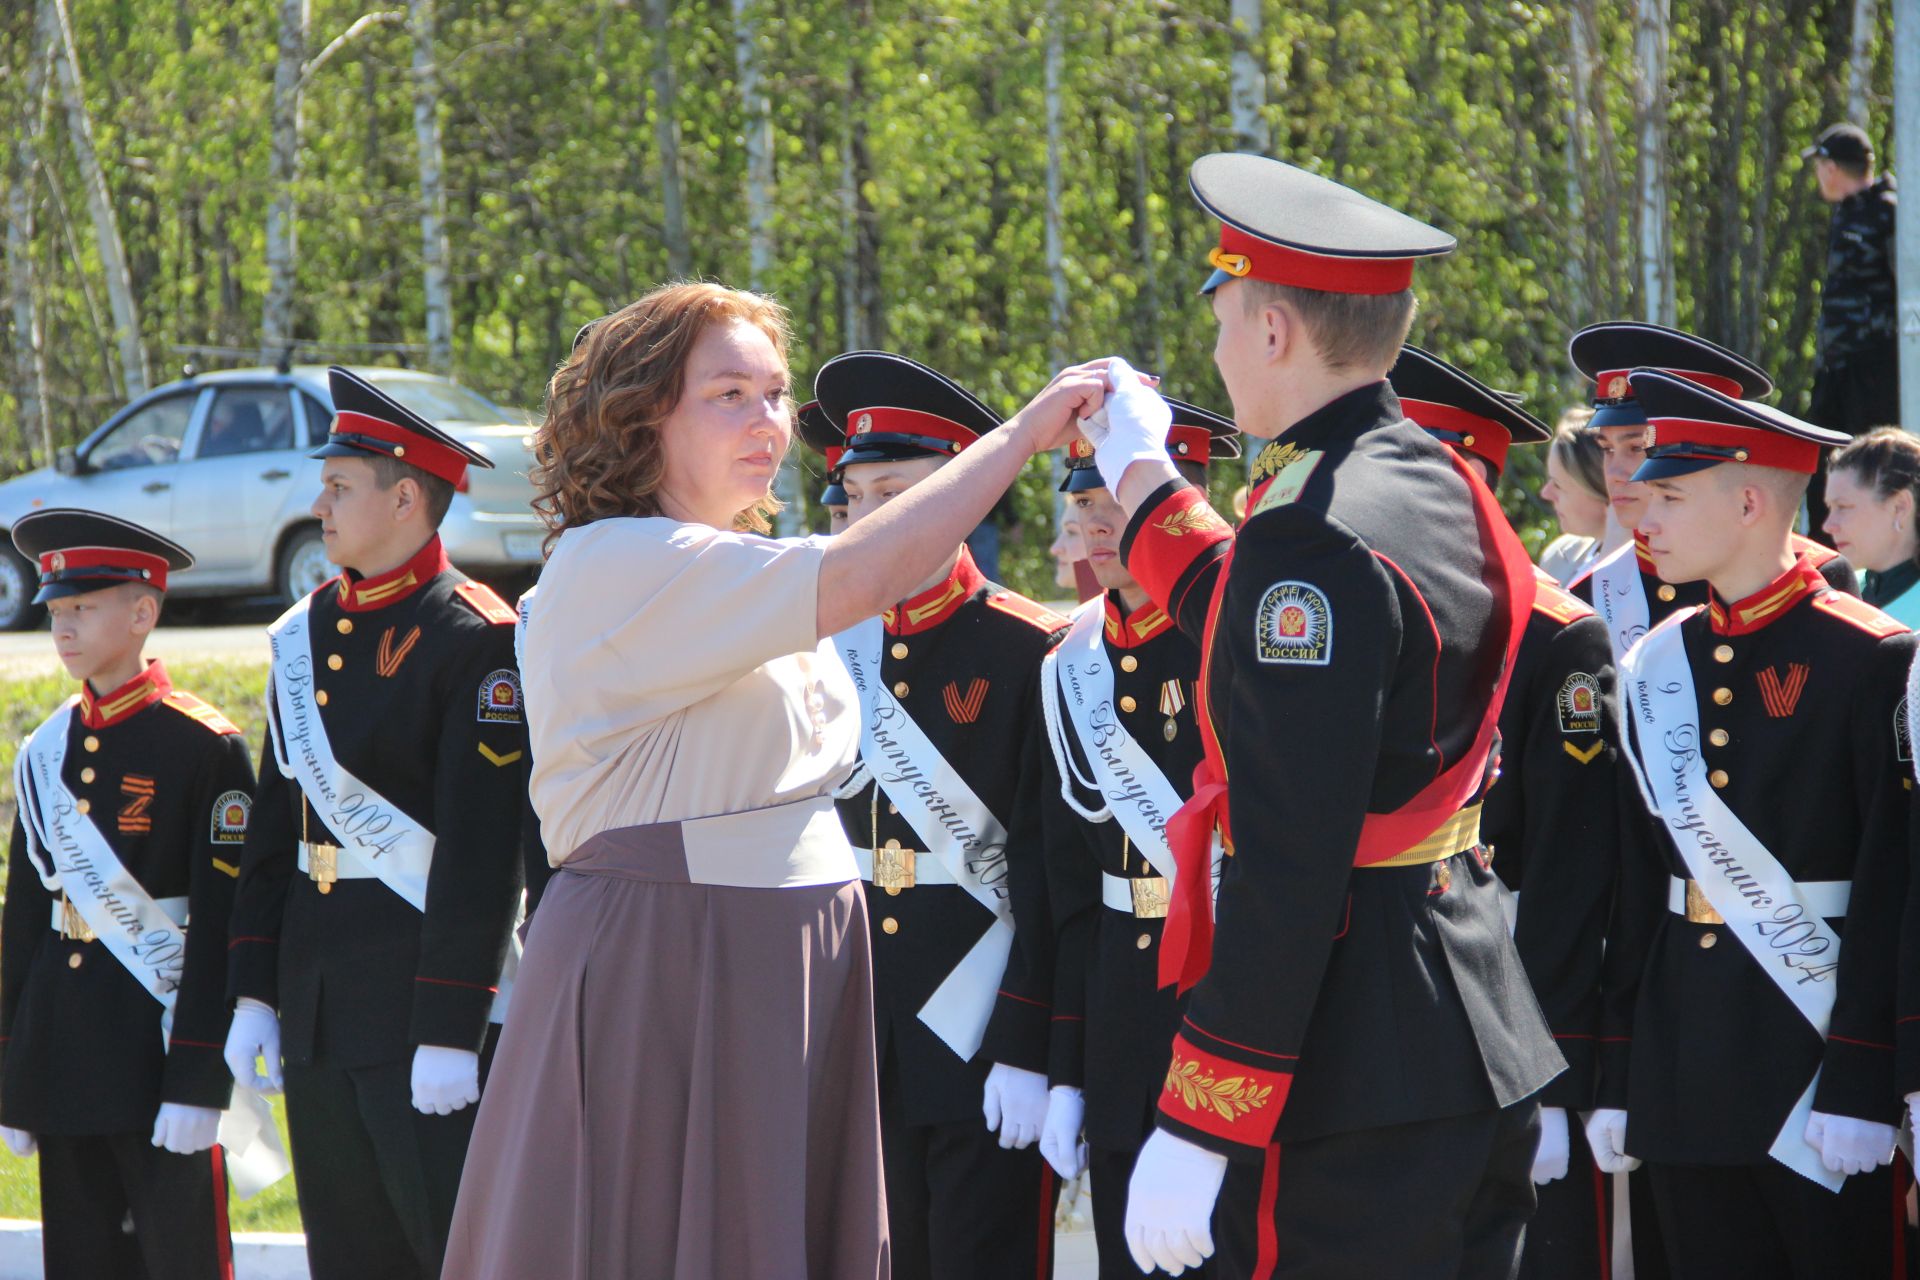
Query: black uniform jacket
165, 779
423, 704
1800, 694
1353, 641
1112, 1021
1552, 822
963, 658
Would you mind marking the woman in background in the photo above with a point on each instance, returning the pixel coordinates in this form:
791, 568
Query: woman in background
1873, 487
1577, 491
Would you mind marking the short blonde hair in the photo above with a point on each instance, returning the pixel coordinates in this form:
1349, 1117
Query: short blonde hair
1350, 330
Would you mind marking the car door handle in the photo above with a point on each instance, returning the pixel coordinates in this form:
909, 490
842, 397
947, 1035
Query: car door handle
155, 486
275, 474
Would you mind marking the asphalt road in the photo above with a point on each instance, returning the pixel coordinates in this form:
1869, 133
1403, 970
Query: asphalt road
238, 633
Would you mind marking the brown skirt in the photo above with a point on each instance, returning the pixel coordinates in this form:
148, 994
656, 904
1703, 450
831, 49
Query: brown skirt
685, 1085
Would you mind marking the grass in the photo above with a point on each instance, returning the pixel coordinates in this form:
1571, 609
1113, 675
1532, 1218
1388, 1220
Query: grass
239, 690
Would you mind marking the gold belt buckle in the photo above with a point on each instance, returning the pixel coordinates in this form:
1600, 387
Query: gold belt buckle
323, 865
893, 867
1699, 910
1149, 897
73, 925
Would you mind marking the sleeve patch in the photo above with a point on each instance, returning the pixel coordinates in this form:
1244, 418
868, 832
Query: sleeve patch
1579, 704
499, 701
230, 814
1294, 626
203, 712
484, 601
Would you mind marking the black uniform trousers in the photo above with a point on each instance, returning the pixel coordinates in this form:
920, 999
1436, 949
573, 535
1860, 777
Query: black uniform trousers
116, 1207
1855, 396
384, 1206
1441, 1199
958, 1206
1765, 1222
1569, 1236
1110, 1170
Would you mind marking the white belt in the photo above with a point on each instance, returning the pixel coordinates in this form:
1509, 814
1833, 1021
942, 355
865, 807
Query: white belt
343, 869
927, 868
175, 910
1144, 897
1827, 898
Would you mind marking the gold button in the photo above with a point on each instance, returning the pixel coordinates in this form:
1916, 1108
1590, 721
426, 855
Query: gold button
1127, 703
893, 809
345, 626
900, 689
1723, 695
87, 775
1723, 653
92, 743
1142, 942
1718, 737
73, 961
324, 886
320, 696
335, 662
83, 805
1666, 592
1708, 941
899, 650
1718, 778
1129, 663
1443, 876
893, 891
889, 925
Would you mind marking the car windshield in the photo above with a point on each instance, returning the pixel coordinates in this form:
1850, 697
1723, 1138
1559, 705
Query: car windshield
437, 400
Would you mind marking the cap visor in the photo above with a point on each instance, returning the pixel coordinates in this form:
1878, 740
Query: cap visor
62, 590
1618, 415
1215, 280
1668, 468
859, 453
336, 449
1081, 479
833, 496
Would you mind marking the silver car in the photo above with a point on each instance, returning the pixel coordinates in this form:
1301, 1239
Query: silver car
218, 462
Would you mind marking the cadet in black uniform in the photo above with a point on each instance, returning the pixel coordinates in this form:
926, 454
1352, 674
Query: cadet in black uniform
382, 871
820, 435
961, 660
1124, 748
1361, 1006
1747, 1054
112, 1043
1550, 820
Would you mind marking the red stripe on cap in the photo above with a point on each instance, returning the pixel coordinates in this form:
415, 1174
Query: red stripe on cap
888, 420
1480, 436
430, 456
1712, 381
1763, 448
1303, 269
832, 455
68, 559
1189, 444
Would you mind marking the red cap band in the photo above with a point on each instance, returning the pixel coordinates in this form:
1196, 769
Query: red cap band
70, 564
1243, 254
1760, 448
1613, 383
887, 420
1190, 444
430, 456
1480, 436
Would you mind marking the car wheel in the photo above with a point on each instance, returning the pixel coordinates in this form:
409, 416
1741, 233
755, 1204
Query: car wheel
18, 585
303, 565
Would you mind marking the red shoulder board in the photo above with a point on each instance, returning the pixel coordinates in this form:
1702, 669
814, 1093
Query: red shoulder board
1549, 598
1818, 552
197, 709
1028, 611
1858, 612
484, 602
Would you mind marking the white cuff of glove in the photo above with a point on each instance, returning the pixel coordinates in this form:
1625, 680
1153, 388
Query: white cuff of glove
1014, 1104
1170, 1203
1848, 1145
1550, 1156
1136, 422
1060, 1134
255, 1033
1607, 1136
444, 1080
185, 1130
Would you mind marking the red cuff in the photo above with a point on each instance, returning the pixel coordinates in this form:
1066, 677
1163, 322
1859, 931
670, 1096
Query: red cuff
1168, 540
1223, 1098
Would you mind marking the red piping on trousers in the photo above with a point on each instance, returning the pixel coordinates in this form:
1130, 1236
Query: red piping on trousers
1268, 1231
222, 1232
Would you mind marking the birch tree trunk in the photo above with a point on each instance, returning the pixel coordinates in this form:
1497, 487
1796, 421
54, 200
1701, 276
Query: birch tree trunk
666, 135
757, 124
1247, 88
1056, 254
29, 355
283, 172
1866, 14
433, 195
1656, 236
106, 226
1579, 161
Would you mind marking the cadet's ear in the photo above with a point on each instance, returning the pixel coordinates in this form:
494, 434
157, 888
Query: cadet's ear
146, 611
1281, 328
407, 498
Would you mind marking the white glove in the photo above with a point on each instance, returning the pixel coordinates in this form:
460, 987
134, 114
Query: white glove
1130, 426
1060, 1135
444, 1080
1015, 1105
19, 1141
1847, 1145
1170, 1203
255, 1033
1550, 1157
1607, 1135
185, 1130
1913, 1114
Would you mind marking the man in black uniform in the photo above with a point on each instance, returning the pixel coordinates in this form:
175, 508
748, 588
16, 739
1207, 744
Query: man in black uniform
133, 802
811, 424
1857, 385
949, 681
382, 871
1124, 746
1361, 1004
1550, 821
1748, 1057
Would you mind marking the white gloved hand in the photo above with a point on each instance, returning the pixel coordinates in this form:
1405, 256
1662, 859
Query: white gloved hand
1170, 1203
1550, 1157
1913, 1114
1015, 1105
1136, 423
19, 1141
255, 1033
185, 1130
1060, 1134
1848, 1145
444, 1080
1607, 1135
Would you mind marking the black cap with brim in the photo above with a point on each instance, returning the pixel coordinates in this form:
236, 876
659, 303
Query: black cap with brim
76, 552
370, 423
1695, 427
1185, 443
1607, 352
1844, 143
891, 408
1423, 377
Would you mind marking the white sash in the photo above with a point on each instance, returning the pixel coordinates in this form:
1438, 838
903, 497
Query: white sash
382, 841
1137, 793
1620, 598
71, 856
957, 827
1763, 907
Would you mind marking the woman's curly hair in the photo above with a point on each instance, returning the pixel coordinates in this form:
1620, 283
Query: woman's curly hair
598, 453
